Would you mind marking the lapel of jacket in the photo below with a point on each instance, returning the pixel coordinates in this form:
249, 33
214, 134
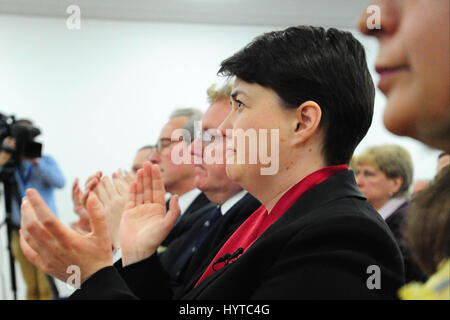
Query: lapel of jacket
200, 201
239, 212
235, 215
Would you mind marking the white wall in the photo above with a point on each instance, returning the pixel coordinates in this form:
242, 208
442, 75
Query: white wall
101, 92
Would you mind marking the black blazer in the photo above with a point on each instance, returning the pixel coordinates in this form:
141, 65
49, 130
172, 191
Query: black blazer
323, 247
196, 209
212, 243
396, 222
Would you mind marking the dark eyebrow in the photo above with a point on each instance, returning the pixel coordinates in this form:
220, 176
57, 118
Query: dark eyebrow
234, 94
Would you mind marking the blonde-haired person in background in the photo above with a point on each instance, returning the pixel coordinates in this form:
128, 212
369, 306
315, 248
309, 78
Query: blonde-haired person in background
414, 67
384, 174
216, 92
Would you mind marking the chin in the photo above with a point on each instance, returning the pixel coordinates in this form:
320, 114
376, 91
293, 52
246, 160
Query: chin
234, 172
399, 120
200, 182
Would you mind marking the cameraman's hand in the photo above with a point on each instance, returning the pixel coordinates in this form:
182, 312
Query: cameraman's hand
53, 247
35, 161
4, 155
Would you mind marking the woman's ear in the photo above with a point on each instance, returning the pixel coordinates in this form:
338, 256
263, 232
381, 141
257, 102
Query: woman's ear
307, 120
396, 184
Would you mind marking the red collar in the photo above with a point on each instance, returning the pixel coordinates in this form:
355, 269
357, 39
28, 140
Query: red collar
304, 185
294, 193
260, 220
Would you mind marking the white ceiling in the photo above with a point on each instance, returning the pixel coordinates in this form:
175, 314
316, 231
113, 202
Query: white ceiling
337, 13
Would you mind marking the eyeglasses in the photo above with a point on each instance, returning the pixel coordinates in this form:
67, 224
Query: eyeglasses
164, 143
210, 136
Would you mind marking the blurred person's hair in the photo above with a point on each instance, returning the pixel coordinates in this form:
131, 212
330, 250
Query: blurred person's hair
419, 186
427, 224
393, 160
220, 93
313, 64
146, 147
24, 122
443, 154
352, 165
193, 115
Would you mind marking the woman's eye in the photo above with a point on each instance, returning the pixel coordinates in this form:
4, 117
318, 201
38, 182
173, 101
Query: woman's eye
239, 105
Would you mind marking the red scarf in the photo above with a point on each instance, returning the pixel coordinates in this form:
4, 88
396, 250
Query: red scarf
260, 220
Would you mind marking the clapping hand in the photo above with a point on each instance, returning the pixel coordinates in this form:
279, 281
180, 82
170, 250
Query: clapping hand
145, 223
53, 247
82, 225
113, 194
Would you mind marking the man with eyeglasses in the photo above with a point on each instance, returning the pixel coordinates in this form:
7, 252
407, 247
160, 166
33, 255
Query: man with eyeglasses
179, 179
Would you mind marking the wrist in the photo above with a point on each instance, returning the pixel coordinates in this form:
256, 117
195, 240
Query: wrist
128, 259
93, 271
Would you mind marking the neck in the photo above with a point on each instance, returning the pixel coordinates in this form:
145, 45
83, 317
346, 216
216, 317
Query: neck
182, 187
220, 196
286, 179
377, 205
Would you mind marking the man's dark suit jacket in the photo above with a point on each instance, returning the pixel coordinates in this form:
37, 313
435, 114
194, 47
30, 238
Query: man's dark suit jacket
196, 209
212, 243
331, 244
396, 222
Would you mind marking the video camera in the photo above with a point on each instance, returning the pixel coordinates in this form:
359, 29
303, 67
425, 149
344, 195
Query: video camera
26, 147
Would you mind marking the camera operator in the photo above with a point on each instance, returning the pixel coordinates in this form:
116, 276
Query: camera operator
44, 174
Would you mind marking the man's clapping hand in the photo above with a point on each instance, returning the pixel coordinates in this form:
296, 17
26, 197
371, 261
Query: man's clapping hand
53, 247
113, 194
145, 223
82, 225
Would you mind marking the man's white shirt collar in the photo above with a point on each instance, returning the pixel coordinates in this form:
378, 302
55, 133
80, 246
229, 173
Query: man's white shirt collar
389, 207
227, 205
185, 200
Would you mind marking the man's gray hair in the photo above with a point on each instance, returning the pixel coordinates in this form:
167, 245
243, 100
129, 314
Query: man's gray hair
193, 115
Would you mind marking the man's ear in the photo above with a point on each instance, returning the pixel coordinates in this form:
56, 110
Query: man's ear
306, 122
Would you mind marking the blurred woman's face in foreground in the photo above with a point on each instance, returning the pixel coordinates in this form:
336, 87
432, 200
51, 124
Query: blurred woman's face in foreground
414, 67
